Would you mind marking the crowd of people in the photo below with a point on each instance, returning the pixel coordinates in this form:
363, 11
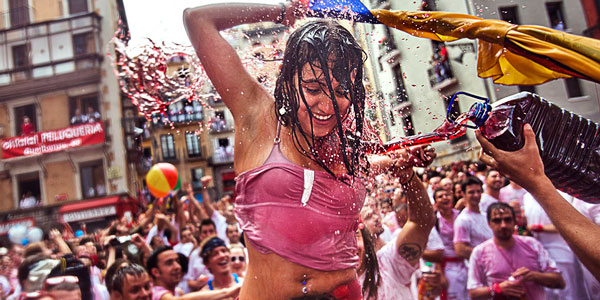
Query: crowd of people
316, 213
488, 236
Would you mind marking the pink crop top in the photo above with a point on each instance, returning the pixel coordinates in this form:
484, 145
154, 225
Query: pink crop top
305, 216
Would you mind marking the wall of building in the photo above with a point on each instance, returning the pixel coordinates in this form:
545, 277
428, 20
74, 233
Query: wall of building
427, 105
111, 97
55, 111
52, 9
60, 181
6, 196
534, 12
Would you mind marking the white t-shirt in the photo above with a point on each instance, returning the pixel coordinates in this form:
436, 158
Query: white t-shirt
184, 249
221, 224
471, 228
387, 234
395, 274
486, 201
509, 194
552, 241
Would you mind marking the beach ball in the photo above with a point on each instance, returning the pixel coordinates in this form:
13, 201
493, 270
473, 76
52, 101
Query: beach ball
34, 235
17, 233
162, 179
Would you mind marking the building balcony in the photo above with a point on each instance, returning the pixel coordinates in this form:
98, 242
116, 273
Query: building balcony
50, 55
217, 125
441, 77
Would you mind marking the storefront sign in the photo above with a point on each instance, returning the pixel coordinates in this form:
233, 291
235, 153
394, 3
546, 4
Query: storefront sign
92, 213
5, 226
53, 140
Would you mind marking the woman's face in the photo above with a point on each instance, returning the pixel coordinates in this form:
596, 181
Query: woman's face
237, 264
319, 101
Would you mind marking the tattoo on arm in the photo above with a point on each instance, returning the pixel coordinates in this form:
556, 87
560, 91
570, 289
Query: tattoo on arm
410, 251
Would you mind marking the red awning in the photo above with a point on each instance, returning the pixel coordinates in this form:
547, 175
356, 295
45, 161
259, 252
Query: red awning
112, 200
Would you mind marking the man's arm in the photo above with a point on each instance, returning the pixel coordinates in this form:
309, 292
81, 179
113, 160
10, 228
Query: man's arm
435, 256
463, 249
414, 235
526, 168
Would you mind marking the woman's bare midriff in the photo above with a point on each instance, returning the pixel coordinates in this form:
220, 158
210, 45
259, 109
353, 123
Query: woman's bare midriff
271, 277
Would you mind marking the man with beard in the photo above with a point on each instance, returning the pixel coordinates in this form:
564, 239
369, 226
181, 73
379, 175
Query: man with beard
516, 267
494, 182
166, 271
217, 258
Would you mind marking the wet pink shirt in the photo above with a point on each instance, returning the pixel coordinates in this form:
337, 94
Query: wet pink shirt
490, 264
305, 216
471, 228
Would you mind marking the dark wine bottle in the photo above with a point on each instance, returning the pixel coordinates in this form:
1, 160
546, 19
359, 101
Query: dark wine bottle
569, 144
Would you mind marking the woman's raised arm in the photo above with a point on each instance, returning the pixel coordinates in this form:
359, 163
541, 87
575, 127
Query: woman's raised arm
239, 90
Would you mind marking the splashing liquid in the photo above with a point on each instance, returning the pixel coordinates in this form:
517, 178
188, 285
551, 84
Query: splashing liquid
446, 131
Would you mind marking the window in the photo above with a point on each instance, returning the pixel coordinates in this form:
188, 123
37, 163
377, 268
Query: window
19, 12
509, 14
167, 144
392, 118
408, 125
82, 106
20, 55
183, 111
390, 42
29, 190
556, 16
218, 123
92, 179
527, 88
441, 63
192, 141
78, 6
197, 174
573, 87
83, 43
20, 113
223, 151
400, 89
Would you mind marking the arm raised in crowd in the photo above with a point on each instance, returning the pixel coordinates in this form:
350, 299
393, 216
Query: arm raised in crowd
413, 238
525, 167
220, 60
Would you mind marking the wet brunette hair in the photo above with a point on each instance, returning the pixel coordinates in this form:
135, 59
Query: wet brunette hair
372, 275
326, 46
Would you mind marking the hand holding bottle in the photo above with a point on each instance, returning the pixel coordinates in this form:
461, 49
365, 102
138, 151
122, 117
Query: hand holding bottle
522, 166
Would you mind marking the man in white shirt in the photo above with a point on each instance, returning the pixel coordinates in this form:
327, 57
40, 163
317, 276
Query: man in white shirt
543, 229
470, 227
494, 181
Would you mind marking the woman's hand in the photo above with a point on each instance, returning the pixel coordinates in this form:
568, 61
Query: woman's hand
406, 159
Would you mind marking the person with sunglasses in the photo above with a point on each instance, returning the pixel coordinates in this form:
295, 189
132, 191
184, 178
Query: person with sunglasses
510, 266
238, 260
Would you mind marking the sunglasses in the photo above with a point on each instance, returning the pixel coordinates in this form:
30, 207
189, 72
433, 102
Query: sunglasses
238, 258
499, 220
